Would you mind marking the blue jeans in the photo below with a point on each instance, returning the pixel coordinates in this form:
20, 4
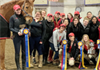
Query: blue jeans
34, 44
56, 56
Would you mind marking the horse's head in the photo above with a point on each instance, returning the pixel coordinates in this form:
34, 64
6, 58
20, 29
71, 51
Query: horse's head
27, 9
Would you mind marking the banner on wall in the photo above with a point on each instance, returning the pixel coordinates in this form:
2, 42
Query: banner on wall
92, 2
54, 0
41, 2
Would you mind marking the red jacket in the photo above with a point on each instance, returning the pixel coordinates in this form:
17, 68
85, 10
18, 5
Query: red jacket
71, 20
57, 25
98, 19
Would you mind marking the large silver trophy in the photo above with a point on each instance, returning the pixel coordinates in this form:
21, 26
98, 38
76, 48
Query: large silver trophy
91, 50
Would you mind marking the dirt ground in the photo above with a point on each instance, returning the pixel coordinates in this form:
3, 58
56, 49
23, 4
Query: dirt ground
10, 62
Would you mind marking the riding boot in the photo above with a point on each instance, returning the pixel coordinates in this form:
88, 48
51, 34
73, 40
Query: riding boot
44, 60
60, 59
40, 61
23, 62
17, 61
50, 56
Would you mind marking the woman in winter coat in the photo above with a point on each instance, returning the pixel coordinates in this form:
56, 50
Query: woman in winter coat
94, 33
75, 28
49, 31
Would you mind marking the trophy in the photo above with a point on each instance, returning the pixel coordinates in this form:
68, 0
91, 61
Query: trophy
91, 50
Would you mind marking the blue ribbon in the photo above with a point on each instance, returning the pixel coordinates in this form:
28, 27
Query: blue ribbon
81, 54
26, 49
26, 31
64, 56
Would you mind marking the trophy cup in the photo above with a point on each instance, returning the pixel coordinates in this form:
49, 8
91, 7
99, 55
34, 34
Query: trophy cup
91, 50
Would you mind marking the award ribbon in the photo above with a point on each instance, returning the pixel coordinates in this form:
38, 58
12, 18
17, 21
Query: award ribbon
64, 57
26, 32
80, 44
97, 65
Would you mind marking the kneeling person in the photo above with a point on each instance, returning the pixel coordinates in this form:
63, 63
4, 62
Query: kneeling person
72, 50
58, 36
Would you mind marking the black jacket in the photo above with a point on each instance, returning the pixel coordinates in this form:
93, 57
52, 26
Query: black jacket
49, 30
15, 22
84, 30
74, 50
94, 33
75, 30
38, 30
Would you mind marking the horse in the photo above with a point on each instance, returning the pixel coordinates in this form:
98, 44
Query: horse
6, 11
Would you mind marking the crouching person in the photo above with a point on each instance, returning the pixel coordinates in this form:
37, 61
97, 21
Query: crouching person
58, 36
89, 50
72, 50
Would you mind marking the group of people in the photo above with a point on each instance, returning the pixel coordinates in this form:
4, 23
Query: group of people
47, 32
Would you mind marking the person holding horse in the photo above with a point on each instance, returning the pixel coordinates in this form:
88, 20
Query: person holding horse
17, 22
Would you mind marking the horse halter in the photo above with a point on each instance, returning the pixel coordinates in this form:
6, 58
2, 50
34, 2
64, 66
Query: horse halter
25, 11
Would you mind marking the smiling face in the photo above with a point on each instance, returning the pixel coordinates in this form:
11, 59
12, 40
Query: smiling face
75, 21
57, 15
49, 18
85, 22
71, 38
69, 16
94, 20
38, 15
18, 11
66, 22
89, 15
43, 13
62, 28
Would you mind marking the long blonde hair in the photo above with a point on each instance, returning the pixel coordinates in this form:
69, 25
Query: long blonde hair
88, 42
56, 19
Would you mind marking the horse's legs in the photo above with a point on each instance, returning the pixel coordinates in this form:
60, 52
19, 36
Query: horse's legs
2, 54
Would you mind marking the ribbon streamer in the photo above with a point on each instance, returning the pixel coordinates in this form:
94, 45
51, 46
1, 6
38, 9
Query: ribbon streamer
98, 62
26, 31
82, 56
64, 57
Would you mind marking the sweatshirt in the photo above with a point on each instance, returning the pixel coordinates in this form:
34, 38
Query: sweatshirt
58, 37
